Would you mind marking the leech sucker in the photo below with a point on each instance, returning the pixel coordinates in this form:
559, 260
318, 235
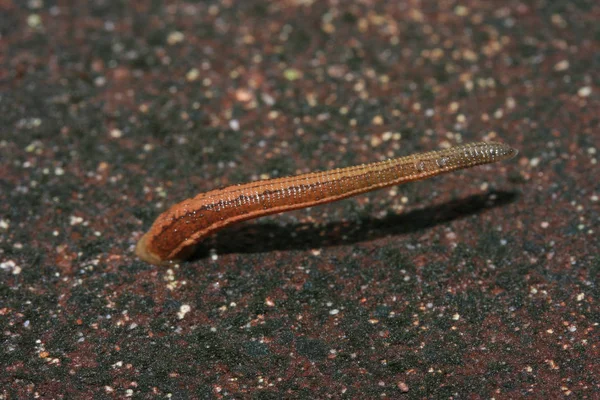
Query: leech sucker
174, 234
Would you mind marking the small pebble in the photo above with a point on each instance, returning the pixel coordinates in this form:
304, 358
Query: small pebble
584, 91
561, 65
403, 387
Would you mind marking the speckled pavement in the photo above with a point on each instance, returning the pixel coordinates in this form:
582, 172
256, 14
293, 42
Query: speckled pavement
475, 285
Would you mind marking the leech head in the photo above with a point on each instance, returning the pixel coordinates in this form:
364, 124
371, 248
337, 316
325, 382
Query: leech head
485, 153
501, 151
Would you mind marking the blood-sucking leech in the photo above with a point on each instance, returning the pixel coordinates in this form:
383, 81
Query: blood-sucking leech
175, 233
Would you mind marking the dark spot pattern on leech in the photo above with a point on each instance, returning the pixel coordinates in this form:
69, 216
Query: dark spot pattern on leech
301, 192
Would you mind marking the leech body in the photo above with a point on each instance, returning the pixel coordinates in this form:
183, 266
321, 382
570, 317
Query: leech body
175, 232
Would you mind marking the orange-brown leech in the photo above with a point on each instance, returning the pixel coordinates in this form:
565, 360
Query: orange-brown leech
174, 234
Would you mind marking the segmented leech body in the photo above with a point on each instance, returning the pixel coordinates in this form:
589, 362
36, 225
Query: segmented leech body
175, 232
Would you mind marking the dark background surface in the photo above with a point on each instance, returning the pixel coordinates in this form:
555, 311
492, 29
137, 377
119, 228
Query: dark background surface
479, 284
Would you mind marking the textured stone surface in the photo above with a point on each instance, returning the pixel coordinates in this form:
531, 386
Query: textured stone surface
479, 284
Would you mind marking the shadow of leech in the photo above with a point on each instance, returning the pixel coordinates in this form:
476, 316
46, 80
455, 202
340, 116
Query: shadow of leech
266, 237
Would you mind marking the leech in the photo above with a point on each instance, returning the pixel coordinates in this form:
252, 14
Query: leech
176, 232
